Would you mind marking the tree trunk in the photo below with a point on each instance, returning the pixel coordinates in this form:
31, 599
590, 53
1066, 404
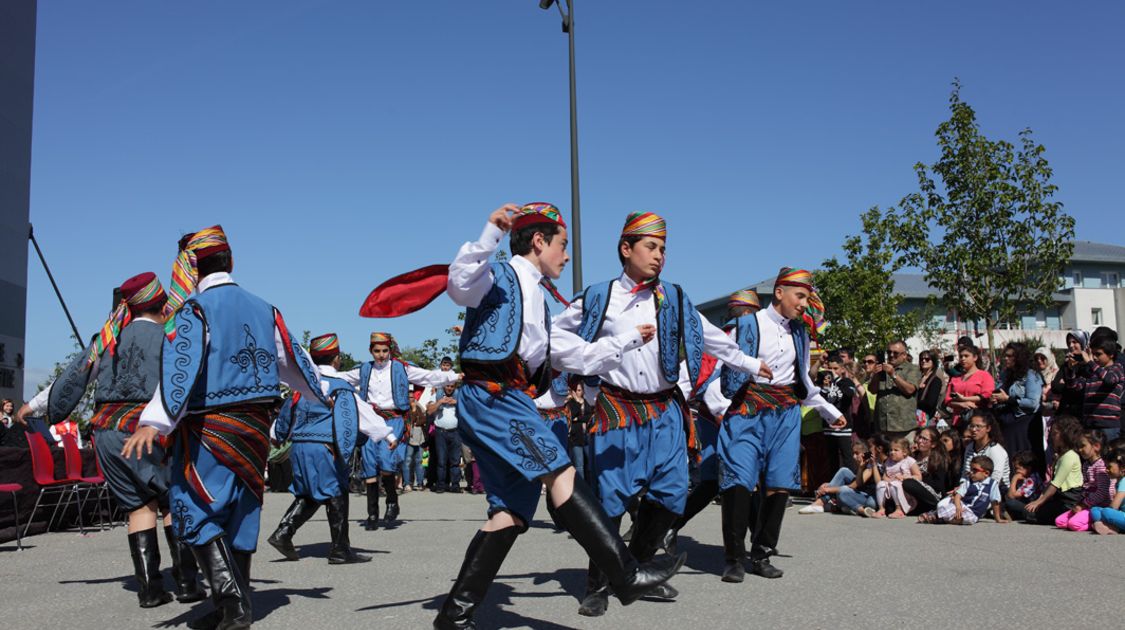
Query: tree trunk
989, 326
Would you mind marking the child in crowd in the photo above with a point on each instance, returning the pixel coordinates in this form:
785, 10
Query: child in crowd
969, 502
1111, 520
899, 466
1103, 385
1065, 489
874, 465
1096, 488
844, 492
1026, 484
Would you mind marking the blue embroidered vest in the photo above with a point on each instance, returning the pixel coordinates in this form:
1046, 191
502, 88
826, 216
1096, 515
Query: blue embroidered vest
400, 385
679, 331
313, 421
223, 352
747, 337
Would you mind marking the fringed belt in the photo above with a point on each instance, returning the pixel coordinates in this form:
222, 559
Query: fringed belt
118, 416
388, 414
238, 437
756, 398
551, 415
497, 377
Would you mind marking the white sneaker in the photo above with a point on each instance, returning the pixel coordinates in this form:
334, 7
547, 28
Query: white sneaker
812, 508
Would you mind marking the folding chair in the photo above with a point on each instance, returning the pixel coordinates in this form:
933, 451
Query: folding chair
43, 469
73, 456
14, 488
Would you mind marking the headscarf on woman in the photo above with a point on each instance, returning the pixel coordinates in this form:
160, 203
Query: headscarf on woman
1052, 368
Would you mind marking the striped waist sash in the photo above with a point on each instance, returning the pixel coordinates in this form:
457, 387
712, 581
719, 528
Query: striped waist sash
388, 414
497, 377
617, 408
118, 416
238, 437
551, 415
756, 398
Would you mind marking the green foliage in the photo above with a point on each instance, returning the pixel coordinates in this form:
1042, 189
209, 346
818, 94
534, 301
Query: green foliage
859, 292
983, 226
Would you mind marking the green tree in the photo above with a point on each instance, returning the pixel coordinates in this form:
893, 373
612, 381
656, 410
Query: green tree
983, 227
859, 295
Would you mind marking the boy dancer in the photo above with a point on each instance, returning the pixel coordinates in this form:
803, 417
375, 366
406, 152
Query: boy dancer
224, 359
124, 361
324, 438
762, 428
384, 384
642, 421
507, 354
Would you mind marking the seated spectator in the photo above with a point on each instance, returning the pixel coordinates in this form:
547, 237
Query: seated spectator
1065, 489
1102, 382
933, 463
970, 390
1096, 488
1111, 520
846, 492
986, 436
952, 442
1026, 485
1016, 400
878, 448
899, 467
972, 499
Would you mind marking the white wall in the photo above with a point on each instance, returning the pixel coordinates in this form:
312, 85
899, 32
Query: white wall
1085, 300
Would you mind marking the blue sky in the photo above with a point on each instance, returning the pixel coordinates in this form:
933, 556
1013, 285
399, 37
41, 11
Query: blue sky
343, 142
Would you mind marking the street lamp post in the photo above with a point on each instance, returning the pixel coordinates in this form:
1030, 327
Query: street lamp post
575, 214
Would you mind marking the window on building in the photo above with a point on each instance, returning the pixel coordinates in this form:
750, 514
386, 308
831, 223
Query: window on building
1110, 279
1076, 278
1096, 316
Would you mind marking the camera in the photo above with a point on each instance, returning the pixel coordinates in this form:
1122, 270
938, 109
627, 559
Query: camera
880, 357
949, 358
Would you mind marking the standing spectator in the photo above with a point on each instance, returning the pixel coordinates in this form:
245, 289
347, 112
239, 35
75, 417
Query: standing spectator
432, 392
578, 411
894, 386
971, 389
986, 441
1102, 382
1016, 401
847, 359
933, 463
952, 363
864, 417
839, 391
413, 477
473, 482
1066, 388
931, 387
448, 441
1044, 362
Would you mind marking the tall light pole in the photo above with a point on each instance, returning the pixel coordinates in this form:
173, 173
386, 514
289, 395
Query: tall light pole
575, 214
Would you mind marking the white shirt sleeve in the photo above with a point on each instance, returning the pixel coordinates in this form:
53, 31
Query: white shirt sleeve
290, 374
569, 320
38, 404
470, 276
351, 377
156, 417
714, 399
437, 378
571, 353
685, 383
724, 348
372, 424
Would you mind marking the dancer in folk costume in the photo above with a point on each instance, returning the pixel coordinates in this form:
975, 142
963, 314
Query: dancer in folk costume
226, 354
642, 420
508, 349
761, 434
710, 406
384, 384
324, 438
124, 362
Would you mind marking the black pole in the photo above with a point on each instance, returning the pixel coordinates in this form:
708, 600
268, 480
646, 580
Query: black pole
575, 206
31, 235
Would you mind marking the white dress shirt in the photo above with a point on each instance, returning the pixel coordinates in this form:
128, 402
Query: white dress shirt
550, 400
777, 349
379, 387
639, 370
470, 279
154, 414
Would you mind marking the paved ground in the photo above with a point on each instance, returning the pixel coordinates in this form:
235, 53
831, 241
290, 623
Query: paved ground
843, 572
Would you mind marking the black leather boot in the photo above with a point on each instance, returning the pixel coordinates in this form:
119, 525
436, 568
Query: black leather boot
766, 534
653, 524
596, 599
300, 511
372, 522
184, 569
341, 552
483, 558
228, 573
145, 552
589, 525
391, 517
736, 514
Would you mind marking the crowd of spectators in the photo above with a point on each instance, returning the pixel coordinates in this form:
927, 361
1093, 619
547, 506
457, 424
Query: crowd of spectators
1034, 442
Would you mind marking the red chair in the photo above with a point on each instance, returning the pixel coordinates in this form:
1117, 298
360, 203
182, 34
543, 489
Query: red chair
111, 503
73, 456
14, 488
43, 469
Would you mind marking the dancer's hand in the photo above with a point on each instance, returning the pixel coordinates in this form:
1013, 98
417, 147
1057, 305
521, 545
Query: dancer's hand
140, 442
765, 372
648, 332
502, 216
22, 413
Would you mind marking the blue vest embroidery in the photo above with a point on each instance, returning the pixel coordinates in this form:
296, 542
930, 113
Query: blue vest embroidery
493, 328
313, 421
748, 339
400, 385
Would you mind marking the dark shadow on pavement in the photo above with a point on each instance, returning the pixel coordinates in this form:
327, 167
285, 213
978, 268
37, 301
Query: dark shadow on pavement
489, 614
263, 602
317, 552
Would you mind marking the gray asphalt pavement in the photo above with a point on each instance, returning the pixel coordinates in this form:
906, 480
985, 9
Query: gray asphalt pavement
840, 572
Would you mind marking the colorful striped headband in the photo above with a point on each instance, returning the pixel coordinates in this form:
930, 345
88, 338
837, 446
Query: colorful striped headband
324, 345
536, 212
645, 224
744, 297
790, 277
383, 338
185, 271
139, 291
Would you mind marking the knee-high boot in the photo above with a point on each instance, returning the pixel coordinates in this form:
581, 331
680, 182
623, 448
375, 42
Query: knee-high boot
483, 558
341, 552
145, 551
390, 489
300, 511
184, 569
228, 573
701, 496
372, 521
587, 522
653, 524
736, 515
766, 533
